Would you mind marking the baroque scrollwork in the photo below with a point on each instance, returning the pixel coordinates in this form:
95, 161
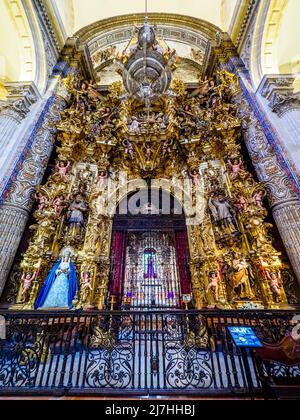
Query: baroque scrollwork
189, 136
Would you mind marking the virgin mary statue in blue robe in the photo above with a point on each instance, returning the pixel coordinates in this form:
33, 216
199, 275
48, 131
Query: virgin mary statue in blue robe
60, 287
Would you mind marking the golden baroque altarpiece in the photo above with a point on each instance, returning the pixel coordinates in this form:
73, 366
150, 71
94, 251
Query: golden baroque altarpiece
194, 135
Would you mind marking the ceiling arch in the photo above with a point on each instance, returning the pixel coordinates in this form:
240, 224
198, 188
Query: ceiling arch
191, 38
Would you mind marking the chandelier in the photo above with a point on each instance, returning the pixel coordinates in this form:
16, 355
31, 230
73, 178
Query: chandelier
147, 69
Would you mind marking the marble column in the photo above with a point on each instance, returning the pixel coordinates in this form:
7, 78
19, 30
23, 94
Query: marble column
13, 220
16, 107
15, 210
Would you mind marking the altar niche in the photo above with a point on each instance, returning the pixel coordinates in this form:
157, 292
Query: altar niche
150, 256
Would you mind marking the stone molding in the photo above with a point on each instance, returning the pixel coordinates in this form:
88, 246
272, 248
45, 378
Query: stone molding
279, 92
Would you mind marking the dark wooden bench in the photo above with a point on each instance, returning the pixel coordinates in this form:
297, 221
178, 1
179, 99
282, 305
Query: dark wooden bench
279, 369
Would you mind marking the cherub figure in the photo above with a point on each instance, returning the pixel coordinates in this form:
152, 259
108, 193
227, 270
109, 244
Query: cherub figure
42, 200
129, 148
63, 169
214, 279
59, 204
275, 282
27, 280
242, 203
236, 169
102, 179
86, 285
258, 198
195, 175
148, 152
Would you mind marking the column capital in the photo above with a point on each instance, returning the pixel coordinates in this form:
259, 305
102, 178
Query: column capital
20, 97
278, 89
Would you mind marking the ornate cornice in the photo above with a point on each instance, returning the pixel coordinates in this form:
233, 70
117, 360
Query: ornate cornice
243, 21
279, 92
21, 96
44, 16
88, 33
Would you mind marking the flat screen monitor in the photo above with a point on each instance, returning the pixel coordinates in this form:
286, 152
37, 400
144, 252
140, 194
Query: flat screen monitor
245, 337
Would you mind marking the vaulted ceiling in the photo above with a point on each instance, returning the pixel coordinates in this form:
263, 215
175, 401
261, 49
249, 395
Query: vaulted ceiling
269, 46
76, 14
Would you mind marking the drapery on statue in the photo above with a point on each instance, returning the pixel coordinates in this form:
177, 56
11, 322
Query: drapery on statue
61, 285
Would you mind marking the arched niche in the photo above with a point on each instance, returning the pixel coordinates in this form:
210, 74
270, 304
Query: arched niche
149, 252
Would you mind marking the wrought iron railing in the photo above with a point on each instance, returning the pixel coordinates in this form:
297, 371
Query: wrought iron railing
134, 352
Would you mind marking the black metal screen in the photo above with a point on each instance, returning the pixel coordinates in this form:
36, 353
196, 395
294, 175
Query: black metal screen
134, 352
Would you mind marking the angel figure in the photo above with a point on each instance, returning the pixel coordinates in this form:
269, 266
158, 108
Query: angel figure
236, 169
148, 152
214, 279
63, 169
27, 280
42, 201
86, 284
102, 180
242, 203
195, 175
59, 204
258, 198
275, 283
129, 148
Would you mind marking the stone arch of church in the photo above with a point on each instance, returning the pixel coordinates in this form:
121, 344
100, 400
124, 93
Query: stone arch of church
177, 190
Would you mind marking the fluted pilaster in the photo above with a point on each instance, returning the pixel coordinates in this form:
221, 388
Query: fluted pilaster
287, 218
13, 221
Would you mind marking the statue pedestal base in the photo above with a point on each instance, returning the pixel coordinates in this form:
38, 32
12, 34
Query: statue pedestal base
249, 305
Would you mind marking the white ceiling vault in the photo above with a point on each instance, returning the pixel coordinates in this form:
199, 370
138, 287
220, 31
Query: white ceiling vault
76, 14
